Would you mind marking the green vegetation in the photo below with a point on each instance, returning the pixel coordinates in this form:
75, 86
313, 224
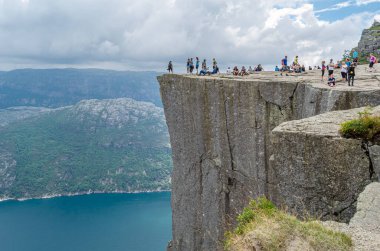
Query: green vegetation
74, 150
263, 225
366, 127
375, 28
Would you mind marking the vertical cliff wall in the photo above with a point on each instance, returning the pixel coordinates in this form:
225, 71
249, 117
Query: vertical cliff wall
220, 132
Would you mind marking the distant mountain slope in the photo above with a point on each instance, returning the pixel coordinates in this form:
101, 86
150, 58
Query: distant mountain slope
96, 145
62, 87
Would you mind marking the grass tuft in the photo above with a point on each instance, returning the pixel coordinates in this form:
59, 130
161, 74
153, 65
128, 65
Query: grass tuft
366, 127
264, 226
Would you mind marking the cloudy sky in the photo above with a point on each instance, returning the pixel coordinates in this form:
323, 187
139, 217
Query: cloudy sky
146, 34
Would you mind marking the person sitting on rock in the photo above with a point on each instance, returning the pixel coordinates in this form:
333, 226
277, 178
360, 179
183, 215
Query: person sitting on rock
276, 69
250, 70
215, 70
229, 71
259, 68
235, 71
331, 81
243, 71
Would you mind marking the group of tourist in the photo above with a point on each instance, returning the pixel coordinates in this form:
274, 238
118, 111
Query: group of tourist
243, 72
295, 67
346, 67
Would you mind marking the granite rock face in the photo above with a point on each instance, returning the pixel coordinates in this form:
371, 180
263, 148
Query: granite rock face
220, 132
370, 40
364, 227
315, 170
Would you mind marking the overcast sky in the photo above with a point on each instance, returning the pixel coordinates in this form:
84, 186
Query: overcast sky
146, 34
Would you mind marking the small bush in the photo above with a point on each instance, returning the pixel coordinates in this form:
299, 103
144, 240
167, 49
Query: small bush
366, 127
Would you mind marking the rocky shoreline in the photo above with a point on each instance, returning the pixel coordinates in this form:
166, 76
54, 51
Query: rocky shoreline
51, 196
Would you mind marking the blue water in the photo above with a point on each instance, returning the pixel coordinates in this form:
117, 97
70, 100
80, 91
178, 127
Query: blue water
104, 222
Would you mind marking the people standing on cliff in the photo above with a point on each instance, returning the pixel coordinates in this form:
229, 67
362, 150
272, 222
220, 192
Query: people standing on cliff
188, 65
204, 65
170, 67
372, 61
351, 75
295, 62
348, 62
191, 66
331, 67
355, 56
343, 71
323, 69
284, 64
214, 63
197, 64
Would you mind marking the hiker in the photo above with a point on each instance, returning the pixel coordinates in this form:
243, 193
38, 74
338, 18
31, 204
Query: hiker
331, 67
331, 81
197, 64
284, 65
303, 69
229, 72
214, 63
259, 68
348, 62
276, 69
243, 71
355, 56
323, 69
235, 71
215, 70
204, 66
188, 65
191, 66
372, 61
250, 70
170, 67
351, 75
295, 62
343, 71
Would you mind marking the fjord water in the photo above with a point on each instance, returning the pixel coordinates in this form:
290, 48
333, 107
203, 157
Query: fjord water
101, 222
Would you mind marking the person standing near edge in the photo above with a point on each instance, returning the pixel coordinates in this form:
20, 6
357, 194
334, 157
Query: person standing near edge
170, 67
197, 64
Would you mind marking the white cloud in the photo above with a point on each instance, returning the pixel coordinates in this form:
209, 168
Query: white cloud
364, 2
146, 34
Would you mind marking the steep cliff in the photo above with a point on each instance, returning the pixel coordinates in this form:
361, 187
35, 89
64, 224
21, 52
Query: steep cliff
315, 170
220, 132
370, 40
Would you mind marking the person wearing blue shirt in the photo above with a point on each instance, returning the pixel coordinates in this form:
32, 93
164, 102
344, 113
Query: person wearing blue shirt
276, 69
348, 63
355, 54
285, 61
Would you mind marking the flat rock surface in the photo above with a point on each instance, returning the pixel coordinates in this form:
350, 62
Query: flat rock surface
326, 124
364, 79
